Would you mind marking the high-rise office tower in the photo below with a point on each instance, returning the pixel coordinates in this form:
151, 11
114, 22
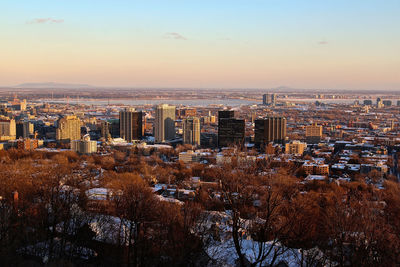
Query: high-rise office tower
368, 102
387, 103
105, 130
273, 99
266, 99
24, 129
164, 124
191, 131
226, 114
270, 129
313, 133
7, 128
269, 99
110, 128
68, 129
130, 124
231, 131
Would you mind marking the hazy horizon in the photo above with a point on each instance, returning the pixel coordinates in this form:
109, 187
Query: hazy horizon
76, 86
209, 44
283, 89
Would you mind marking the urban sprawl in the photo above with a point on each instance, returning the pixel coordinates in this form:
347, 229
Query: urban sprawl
277, 180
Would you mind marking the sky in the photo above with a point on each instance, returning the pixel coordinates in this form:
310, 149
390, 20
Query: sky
319, 44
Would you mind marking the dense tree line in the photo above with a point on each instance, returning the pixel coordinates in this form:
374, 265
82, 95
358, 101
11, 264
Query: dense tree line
48, 217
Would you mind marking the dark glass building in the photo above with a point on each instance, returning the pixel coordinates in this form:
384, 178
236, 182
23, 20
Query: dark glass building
110, 129
270, 129
226, 114
230, 130
368, 102
130, 124
387, 103
24, 129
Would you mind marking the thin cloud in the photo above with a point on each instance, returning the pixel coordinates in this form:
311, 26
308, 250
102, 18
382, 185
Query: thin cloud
323, 42
45, 20
174, 35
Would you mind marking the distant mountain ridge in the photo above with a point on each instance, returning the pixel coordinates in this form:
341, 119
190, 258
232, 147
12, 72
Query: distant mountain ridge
49, 85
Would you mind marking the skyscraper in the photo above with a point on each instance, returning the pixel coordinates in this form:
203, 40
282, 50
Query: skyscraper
68, 129
231, 131
164, 125
105, 130
191, 131
269, 99
266, 99
226, 114
130, 124
110, 128
387, 103
7, 128
368, 102
273, 99
24, 129
270, 129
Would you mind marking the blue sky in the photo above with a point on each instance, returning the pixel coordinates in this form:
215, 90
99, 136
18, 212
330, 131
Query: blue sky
230, 44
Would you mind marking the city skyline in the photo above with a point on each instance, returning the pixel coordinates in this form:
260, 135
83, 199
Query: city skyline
239, 44
200, 133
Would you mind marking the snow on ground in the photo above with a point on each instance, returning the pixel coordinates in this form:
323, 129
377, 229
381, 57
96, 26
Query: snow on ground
111, 229
169, 199
224, 253
107, 229
41, 250
98, 193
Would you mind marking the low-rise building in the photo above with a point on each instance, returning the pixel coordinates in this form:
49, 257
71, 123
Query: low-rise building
27, 144
295, 147
317, 169
84, 146
190, 156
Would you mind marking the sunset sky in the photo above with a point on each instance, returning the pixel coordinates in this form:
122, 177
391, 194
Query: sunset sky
202, 44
